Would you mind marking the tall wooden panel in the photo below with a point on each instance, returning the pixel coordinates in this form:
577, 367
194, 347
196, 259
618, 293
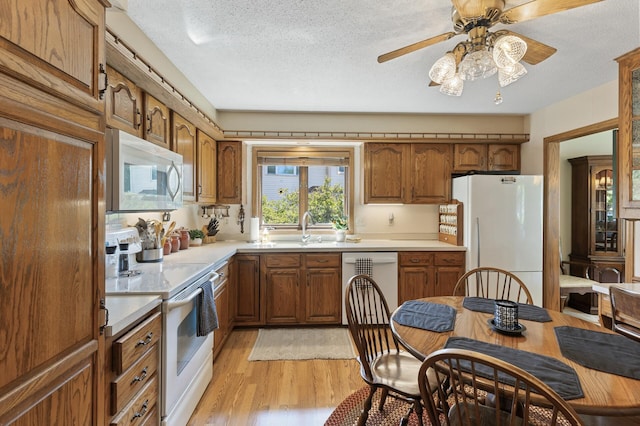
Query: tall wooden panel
184, 143
229, 172
207, 163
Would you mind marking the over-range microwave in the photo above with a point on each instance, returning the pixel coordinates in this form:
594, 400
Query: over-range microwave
141, 176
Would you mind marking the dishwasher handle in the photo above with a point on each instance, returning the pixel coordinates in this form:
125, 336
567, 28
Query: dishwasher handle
374, 261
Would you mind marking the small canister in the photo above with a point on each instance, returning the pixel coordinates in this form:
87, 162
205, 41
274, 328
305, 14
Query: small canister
184, 239
175, 243
166, 250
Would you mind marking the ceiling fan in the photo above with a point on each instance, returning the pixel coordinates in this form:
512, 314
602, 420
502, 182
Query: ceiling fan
475, 17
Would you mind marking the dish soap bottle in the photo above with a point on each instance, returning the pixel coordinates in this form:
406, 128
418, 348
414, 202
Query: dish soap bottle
265, 235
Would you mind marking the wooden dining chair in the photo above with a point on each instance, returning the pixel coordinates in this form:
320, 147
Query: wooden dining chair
383, 364
625, 312
488, 391
493, 283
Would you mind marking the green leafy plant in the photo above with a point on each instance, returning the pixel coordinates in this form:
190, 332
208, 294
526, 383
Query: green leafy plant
196, 233
340, 223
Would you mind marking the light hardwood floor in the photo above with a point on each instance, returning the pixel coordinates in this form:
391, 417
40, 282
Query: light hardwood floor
272, 392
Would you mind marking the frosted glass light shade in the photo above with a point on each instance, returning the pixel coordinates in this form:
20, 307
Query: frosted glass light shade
508, 75
452, 86
508, 49
443, 69
475, 65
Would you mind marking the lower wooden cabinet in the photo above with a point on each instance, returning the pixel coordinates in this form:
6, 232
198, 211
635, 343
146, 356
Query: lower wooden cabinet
222, 301
133, 373
247, 293
428, 274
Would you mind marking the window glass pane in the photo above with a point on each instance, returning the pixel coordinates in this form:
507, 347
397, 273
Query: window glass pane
326, 193
280, 196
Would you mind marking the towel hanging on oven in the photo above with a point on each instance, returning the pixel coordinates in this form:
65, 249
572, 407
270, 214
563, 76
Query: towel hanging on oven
207, 314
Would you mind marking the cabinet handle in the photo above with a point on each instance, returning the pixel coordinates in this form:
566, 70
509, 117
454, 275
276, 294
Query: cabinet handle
414, 260
141, 377
102, 90
142, 412
146, 340
199, 189
139, 118
149, 122
322, 260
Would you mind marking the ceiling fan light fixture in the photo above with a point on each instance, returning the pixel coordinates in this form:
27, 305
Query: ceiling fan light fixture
475, 65
508, 50
452, 86
443, 69
508, 75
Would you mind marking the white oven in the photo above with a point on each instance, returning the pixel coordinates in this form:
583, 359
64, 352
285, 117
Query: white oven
187, 358
384, 270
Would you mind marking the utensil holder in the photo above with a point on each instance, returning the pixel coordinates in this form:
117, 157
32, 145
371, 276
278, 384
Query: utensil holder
151, 255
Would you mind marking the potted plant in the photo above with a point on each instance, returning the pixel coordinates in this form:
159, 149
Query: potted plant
340, 225
196, 236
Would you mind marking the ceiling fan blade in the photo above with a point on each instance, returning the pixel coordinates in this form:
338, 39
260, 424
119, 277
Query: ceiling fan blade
538, 8
536, 51
415, 46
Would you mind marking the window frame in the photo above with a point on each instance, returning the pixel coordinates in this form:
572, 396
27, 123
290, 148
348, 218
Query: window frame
301, 157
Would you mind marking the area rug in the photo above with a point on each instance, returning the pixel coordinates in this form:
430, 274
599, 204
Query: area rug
347, 413
302, 343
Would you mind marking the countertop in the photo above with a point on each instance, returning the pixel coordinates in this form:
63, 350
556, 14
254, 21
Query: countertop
604, 287
125, 309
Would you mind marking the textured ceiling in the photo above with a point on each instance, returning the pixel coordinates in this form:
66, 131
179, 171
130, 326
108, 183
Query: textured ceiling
306, 55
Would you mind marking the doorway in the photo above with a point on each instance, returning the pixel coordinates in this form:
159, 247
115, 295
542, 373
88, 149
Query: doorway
551, 208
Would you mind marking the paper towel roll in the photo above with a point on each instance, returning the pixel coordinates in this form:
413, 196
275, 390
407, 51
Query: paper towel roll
255, 229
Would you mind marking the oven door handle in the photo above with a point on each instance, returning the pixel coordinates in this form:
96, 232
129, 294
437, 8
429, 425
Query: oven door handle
176, 304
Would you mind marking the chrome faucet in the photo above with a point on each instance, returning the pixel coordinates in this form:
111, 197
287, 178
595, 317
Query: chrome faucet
306, 237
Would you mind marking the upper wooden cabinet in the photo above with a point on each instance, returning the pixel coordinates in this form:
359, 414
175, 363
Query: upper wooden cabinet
628, 173
184, 143
407, 173
206, 168
157, 124
57, 46
486, 157
124, 104
229, 172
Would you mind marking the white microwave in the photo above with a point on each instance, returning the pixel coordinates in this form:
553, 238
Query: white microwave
141, 176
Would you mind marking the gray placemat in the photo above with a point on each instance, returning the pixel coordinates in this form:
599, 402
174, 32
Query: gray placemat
426, 315
611, 353
525, 311
561, 377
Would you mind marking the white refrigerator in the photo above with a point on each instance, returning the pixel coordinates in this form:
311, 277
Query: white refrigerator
502, 224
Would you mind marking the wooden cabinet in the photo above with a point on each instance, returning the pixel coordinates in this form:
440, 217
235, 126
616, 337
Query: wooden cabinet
206, 168
247, 306
628, 173
428, 274
124, 104
407, 173
52, 160
133, 373
229, 172
222, 301
485, 157
157, 122
596, 236
302, 288
183, 136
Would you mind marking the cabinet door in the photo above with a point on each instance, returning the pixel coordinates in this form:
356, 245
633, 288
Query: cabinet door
124, 104
385, 172
503, 157
157, 124
206, 168
446, 279
628, 173
184, 143
415, 282
57, 46
247, 307
222, 309
323, 295
430, 173
229, 172
468, 157
282, 294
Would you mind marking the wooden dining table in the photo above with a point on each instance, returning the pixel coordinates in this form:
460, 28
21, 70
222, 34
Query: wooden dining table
608, 398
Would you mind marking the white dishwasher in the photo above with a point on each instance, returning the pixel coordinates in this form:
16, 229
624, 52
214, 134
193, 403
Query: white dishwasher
384, 271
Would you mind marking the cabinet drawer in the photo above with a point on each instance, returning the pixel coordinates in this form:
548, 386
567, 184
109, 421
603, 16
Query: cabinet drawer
128, 348
416, 258
141, 408
322, 260
276, 260
223, 271
128, 384
449, 258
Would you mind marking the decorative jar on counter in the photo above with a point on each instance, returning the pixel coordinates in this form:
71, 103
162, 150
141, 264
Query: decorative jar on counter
184, 239
175, 243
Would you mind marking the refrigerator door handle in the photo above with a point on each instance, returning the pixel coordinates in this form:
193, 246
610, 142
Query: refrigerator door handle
478, 240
